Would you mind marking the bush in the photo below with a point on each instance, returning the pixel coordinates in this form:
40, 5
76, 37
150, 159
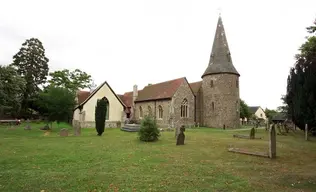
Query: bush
148, 130
100, 115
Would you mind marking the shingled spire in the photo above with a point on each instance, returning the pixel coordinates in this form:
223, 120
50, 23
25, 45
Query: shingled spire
220, 60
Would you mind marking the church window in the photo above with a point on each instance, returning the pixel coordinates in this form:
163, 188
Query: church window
213, 106
160, 112
184, 108
212, 83
107, 108
149, 111
140, 112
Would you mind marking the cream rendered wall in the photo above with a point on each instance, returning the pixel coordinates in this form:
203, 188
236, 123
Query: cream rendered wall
115, 110
260, 113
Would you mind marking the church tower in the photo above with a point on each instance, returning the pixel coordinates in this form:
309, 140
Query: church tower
220, 85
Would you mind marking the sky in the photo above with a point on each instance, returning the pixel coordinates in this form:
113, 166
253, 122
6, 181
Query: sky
128, 42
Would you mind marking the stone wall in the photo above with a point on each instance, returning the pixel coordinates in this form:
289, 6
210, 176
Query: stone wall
198, 107
91, 124
184, 92
154, 105
225, 96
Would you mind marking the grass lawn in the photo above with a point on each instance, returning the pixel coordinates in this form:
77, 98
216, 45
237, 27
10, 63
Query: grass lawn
38, 160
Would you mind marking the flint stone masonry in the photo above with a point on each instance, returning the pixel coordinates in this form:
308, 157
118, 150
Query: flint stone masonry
225, 96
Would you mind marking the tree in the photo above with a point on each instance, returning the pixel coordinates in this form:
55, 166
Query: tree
72, 80
244, 110
270, 113
301, 93
32, 64
12, 87
56, 103
148, 130
100, 115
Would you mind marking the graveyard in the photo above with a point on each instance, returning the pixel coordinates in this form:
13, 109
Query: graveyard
42, 160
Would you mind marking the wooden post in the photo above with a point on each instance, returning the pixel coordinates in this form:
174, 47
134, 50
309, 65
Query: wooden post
272, 142
306, 132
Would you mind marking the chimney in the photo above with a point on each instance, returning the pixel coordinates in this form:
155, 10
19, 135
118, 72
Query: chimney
135, 93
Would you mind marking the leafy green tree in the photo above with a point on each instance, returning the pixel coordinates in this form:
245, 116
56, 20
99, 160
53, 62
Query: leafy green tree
301, 93
32, 64
12, 87
100, 115
56, 103
270, 113
72, 80
244, 110
148, 130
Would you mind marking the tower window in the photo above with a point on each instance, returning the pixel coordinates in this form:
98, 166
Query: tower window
237, 83
184, 108
213, 106
212, 83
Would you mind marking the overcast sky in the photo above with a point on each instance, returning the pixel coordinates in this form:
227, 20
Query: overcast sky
127, 42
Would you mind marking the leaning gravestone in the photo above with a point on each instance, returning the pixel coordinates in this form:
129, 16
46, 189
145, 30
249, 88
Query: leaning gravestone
272, 142
181, 136
306, 132
28, 126
63, 132
77, 130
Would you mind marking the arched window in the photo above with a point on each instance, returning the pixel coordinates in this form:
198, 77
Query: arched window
149, 111
184, 108
213, 106
212, 83
107, 108
160, 112
140, 112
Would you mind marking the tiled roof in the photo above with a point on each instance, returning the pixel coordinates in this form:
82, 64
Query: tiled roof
196, 87
253, 109
158, 91
220, 60
82, 96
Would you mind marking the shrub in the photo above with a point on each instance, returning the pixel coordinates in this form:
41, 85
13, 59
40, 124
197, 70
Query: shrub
100, 115
148, 130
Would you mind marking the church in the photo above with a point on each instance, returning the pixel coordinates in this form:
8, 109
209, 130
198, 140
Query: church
211, 102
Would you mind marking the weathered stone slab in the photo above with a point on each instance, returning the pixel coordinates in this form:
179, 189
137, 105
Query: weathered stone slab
272, 143
245, 151
181, 136
245, 137
63, 132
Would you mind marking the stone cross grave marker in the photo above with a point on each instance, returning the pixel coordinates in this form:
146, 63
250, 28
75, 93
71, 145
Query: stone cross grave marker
272, 142
63, 132
181, 136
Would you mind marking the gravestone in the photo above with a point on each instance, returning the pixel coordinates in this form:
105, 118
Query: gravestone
77, 129
252, 133
181, 136
63, 132
176, 132
28, 126
306, 132
272, 142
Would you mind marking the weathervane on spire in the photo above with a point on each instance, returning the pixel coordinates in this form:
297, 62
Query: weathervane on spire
219, 11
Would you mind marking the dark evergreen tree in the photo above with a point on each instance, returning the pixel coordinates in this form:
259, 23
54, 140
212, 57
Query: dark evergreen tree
301, 85
100, 115
148, 130
32, 64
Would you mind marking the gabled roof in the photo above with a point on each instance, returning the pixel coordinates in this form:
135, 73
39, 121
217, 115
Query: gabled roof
195, 86
95, 91
253, 109
163, 90
220, 59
